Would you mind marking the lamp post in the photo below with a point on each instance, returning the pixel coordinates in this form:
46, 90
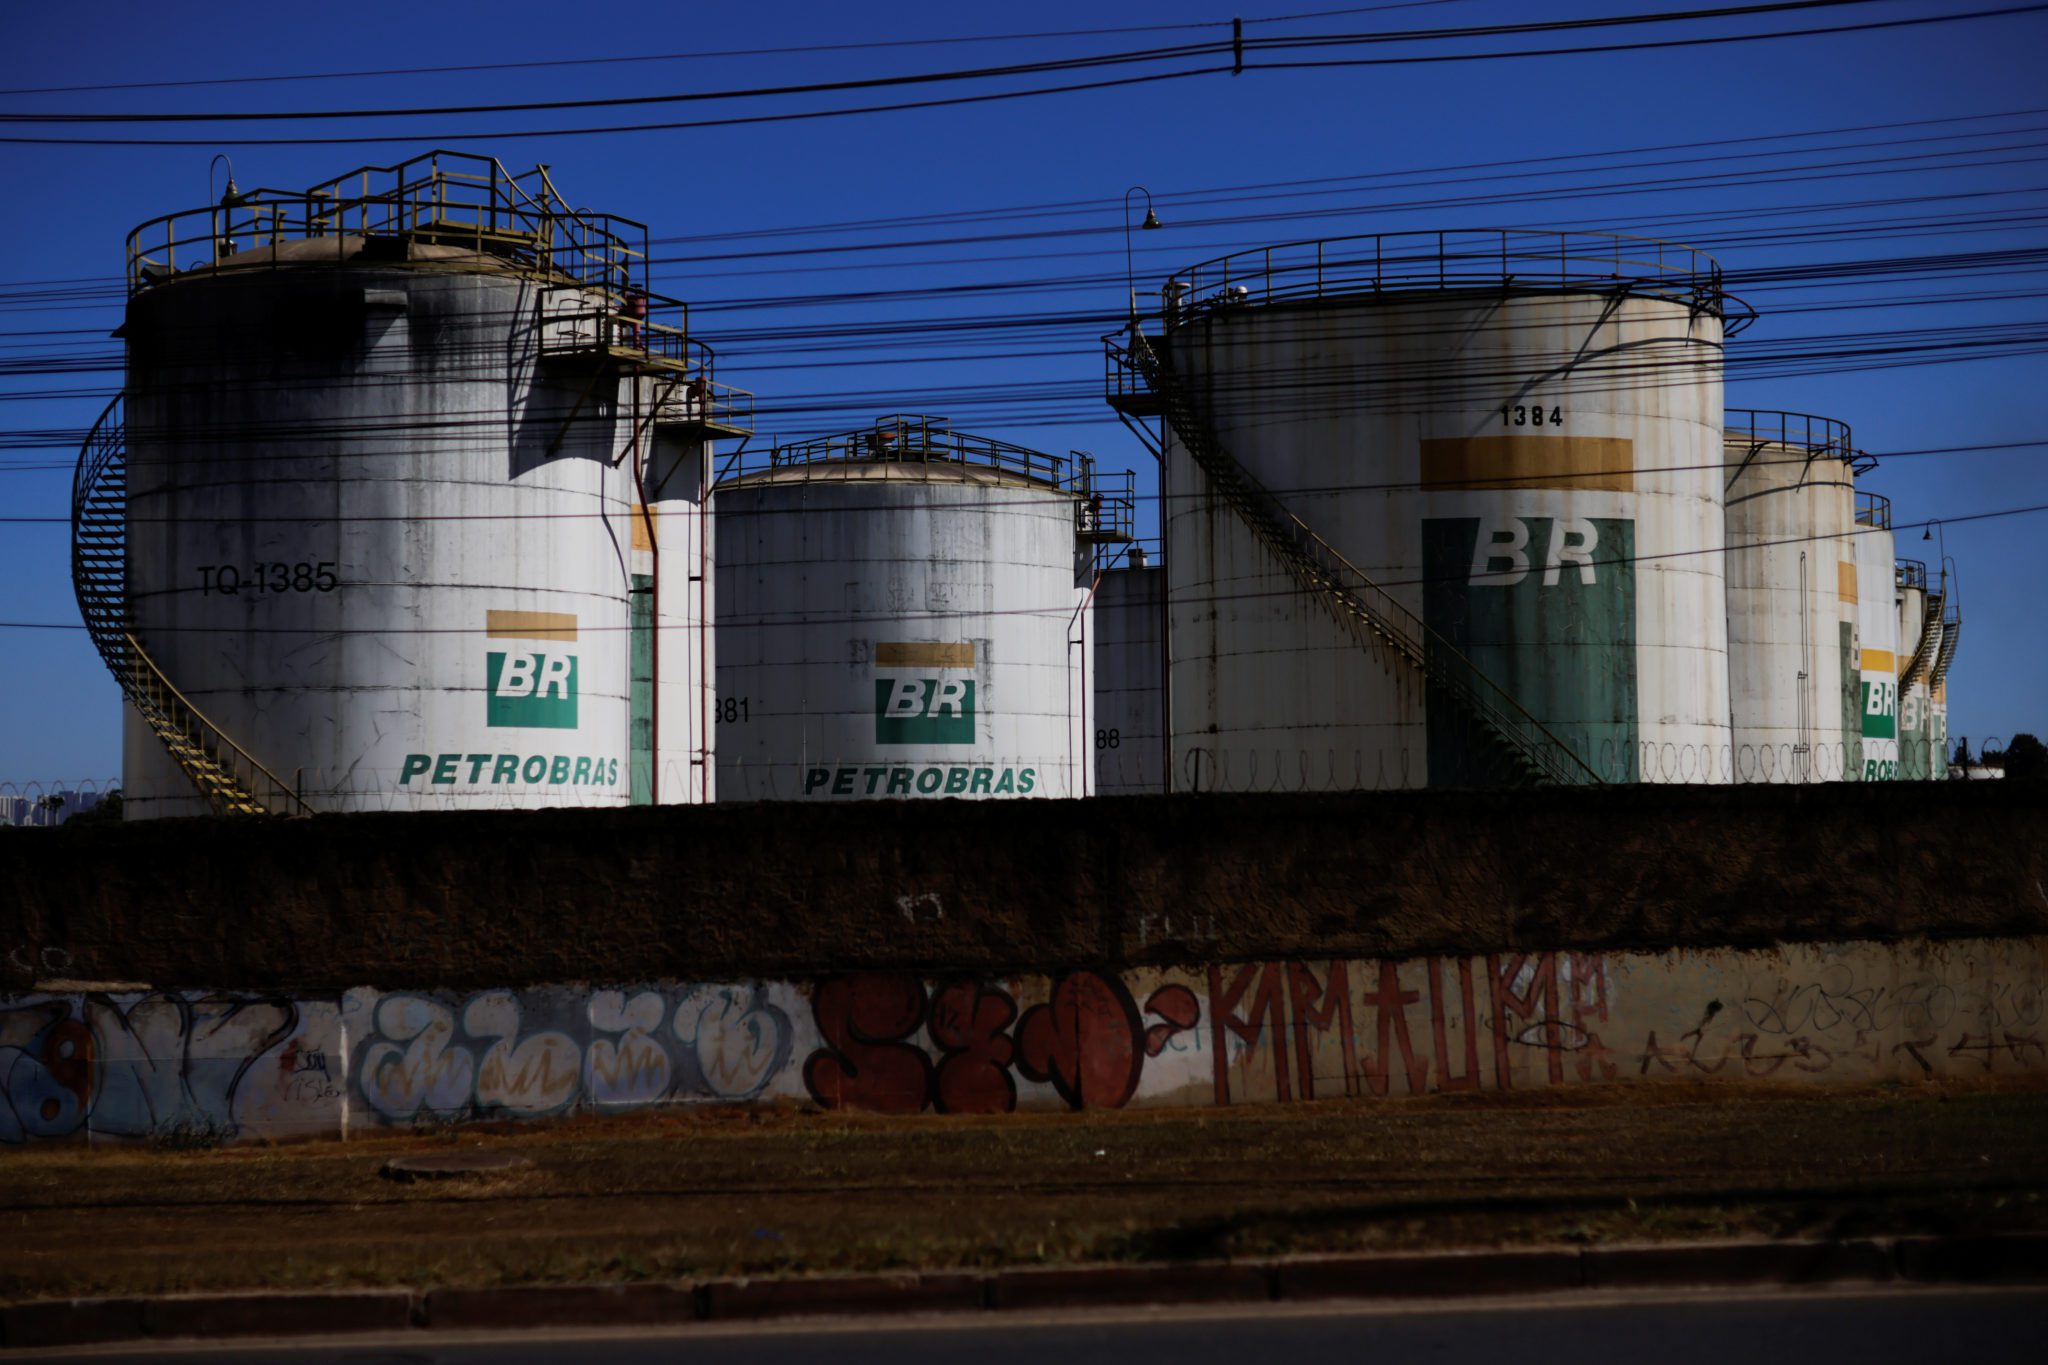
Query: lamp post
1151, 224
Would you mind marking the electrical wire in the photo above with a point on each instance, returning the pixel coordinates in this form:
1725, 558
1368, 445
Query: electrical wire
1237, 66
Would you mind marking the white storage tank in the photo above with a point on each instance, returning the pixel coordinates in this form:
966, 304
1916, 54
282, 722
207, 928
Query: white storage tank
390, 446
1877, 617
1919, 644
1129, 671
1506, 448
1790, 503
903, 612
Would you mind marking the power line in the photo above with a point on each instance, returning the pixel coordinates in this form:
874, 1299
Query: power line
711, 54
920, 78
1234, 67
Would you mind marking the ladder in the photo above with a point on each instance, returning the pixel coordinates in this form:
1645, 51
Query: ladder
232, 782
1527, 750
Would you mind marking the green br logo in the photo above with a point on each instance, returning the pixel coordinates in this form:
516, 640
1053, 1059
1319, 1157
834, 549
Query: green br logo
924, 710
531, 687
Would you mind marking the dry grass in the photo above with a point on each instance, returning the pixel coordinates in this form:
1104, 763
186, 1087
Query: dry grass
722, 1191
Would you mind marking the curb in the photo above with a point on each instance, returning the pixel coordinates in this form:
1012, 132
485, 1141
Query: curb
2006, 1258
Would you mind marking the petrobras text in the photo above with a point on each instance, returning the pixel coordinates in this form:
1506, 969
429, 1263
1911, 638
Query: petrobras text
497, 770
959, 779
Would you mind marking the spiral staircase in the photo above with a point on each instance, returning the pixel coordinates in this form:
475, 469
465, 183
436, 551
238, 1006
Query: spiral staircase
226, 775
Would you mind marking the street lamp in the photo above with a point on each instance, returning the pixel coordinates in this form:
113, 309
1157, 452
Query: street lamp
1150, 224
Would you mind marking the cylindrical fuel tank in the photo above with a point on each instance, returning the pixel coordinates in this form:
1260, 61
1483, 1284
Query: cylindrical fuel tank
1877, 638
391, 446
1129, 667
1517, 437
1790, 495
902, 612
1919, 645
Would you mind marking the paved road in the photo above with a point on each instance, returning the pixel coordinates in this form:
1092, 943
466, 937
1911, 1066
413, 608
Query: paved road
1983, 1327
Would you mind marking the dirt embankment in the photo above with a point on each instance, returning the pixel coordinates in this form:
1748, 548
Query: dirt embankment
695, 1192
509, 899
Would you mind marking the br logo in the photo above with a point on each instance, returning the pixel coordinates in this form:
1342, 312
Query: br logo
1880, 708
531, 685
924, 709
1503, 555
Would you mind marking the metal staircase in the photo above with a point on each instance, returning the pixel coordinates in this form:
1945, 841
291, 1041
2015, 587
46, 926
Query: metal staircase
1951, 636
232, 782
1527, 750
1927, 652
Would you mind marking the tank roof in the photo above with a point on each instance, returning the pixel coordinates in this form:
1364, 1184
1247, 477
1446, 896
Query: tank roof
1460, 259
352, 248
911, 448
1818, 437
440, 200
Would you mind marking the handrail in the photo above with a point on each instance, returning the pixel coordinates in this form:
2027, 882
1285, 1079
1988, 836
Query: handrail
1108, 510
1874, 510
1346, 590
915, 438
280, 791
1951, 638
1449, 259
588, 319
1819, 437
1909, 573
473, 200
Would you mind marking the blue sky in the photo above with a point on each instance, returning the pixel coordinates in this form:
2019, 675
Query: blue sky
1972, 187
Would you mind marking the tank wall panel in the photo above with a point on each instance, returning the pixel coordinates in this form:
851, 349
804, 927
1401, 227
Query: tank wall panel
1129, 700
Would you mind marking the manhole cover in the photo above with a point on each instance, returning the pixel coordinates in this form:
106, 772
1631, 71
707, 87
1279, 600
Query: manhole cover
450, 1165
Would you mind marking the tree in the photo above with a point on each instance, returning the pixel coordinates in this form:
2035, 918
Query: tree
2026, 758
106, 811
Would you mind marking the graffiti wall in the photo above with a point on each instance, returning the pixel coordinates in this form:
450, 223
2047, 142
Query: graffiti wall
221, 1066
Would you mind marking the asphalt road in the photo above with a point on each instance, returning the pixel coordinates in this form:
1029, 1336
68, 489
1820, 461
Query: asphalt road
1984, 1327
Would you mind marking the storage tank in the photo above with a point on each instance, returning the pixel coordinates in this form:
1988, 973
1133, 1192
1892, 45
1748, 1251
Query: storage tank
1949, 611
1130, 755
1790, 503
361, 532
1447, 509
903, 612
1877, 632
1919, 644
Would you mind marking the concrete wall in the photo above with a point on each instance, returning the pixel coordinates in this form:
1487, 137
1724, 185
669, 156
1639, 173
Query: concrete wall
207, 1066
474, 901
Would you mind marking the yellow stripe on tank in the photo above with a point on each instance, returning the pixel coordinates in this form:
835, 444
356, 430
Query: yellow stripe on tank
921, 654
1879, 661
530, 625
1605, 463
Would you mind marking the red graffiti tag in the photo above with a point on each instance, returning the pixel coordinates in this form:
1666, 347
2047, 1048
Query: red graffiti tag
1181, 1011
1087, 1040
974, 1076
866, 1065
